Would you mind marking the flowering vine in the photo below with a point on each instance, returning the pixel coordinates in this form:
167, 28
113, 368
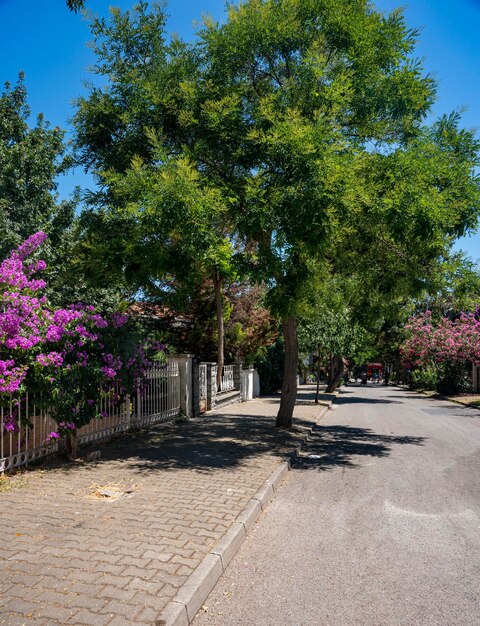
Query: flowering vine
69, 357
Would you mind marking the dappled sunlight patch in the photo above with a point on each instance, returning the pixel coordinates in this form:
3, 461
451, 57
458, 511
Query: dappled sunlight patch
15, 481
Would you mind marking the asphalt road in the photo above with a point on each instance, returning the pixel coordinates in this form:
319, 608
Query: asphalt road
378, 524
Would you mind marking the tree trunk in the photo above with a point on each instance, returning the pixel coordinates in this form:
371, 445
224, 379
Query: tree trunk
71, 445
217, 281
318, 380
289, 384
335, 372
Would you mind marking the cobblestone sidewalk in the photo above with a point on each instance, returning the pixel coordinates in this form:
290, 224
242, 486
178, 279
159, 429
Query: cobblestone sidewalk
111, 542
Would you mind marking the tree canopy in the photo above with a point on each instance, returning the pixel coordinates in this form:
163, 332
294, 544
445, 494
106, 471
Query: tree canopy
31, 158
75, 5
296, 130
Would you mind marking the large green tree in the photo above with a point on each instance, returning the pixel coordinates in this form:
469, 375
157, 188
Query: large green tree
330, 106
162, 210
304, 119
31, 159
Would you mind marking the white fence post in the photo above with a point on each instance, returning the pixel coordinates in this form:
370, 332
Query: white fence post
247, 385
185, 369
237, 376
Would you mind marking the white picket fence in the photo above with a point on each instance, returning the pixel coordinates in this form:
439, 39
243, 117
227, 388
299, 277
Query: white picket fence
158, 401
227, 382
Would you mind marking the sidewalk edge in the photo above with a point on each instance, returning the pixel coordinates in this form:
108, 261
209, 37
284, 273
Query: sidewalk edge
192, 594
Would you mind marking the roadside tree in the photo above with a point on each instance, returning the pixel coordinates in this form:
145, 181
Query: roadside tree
164, 215
31, 159
336, 164
304, 120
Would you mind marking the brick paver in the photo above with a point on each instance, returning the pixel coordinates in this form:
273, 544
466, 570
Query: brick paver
71, 556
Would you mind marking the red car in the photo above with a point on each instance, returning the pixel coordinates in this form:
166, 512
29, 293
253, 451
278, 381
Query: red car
374, 371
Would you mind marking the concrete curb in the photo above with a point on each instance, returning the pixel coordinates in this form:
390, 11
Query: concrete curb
193, 593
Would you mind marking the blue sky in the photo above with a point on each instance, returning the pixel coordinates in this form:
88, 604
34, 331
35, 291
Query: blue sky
48, 43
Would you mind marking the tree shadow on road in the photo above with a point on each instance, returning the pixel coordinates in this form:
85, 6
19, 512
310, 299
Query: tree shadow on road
204, 444
409, 395
228, 441
369, 395
212, 443
334, 446
225, 441
364, 400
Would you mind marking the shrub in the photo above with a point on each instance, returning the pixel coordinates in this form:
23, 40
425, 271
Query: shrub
447, 378
425, 378
69, 357
270, 367
441, 351
453, 378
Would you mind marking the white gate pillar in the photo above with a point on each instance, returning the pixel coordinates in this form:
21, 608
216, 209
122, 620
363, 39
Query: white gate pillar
185, 370
247, 384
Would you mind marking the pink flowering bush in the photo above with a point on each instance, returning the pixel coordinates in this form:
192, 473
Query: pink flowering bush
440, 350
68, 357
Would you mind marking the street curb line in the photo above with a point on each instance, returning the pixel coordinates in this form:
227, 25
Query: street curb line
249, 515
192, 594
229, 543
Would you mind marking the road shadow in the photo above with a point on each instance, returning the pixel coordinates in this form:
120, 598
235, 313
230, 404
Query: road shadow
337, 446
409, 395
203, 444
355, 400
369, 396
228, 440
